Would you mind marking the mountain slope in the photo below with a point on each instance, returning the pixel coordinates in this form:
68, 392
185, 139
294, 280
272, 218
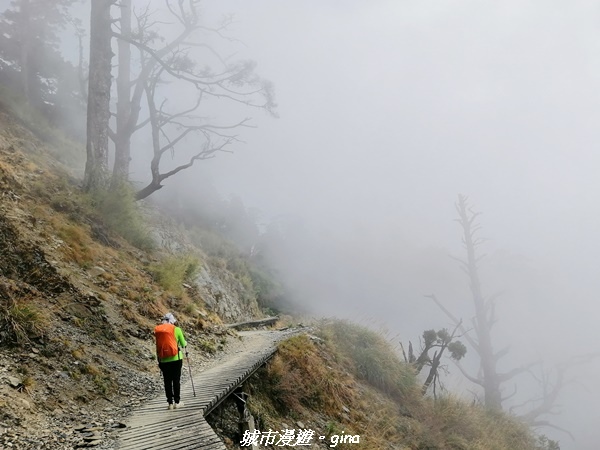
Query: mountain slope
78, 302
83, 280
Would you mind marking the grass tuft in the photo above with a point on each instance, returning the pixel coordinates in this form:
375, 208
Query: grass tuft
175, 270
299, 380
21, 322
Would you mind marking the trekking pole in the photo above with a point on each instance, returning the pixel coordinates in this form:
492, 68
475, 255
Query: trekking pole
190, 370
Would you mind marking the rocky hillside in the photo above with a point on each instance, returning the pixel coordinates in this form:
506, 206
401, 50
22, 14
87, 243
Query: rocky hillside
78, 301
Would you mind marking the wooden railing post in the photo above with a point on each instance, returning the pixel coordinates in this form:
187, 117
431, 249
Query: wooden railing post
246, 422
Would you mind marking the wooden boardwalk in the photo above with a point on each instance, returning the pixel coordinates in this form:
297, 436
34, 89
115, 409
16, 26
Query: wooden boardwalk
152, 426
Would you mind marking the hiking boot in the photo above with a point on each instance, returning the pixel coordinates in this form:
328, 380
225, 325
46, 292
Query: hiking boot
179, 405
171, 406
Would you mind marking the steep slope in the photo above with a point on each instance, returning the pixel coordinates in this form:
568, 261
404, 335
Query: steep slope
78, 302
343, 386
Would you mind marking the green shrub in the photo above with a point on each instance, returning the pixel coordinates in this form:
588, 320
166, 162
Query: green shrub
267, 288
544, 443
120, 212
104, 384
369, 356
208, 346
213, 243
175, 270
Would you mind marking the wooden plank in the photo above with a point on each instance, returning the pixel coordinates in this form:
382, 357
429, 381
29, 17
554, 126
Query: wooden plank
152, 426
254, 323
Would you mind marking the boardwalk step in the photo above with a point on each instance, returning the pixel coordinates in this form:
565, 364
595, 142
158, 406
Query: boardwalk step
152, 426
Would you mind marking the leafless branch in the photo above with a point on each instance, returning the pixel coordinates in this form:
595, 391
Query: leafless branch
455, 320
469, 377
545, 423
509, 396
516, 371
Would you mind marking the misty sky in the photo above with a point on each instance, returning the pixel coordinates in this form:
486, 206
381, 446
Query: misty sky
389, 110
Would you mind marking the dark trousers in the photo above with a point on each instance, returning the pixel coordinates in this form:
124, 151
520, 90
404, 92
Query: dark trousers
171, 372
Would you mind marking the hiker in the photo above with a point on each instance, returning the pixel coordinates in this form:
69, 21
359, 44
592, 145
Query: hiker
169, 346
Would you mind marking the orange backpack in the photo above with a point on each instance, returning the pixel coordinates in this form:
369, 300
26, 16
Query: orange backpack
166, 344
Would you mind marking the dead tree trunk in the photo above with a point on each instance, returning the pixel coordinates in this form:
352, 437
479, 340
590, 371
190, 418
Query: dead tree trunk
479, 336
484, 311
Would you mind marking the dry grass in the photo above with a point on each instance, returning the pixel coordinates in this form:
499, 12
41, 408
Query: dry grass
151, 307
78, 245
324, 384
21, 320
369, 356
296, 381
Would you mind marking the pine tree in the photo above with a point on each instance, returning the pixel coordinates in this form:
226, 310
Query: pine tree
29, 46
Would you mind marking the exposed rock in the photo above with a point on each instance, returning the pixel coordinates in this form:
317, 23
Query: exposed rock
14, 382
96, 271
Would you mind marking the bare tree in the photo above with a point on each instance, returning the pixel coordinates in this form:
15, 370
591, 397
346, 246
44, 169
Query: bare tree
174, 62
480, 337
485, 318
98, 112
551, 382
159, 121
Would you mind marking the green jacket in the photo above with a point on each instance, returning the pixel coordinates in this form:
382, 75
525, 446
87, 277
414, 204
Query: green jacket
181, 343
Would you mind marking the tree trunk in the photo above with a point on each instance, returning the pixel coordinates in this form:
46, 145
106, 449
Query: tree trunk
98, 112
491, 380
25, 48
123, 131
154, 184
147, 191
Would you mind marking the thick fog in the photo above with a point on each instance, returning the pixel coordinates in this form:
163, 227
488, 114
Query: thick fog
388, 110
